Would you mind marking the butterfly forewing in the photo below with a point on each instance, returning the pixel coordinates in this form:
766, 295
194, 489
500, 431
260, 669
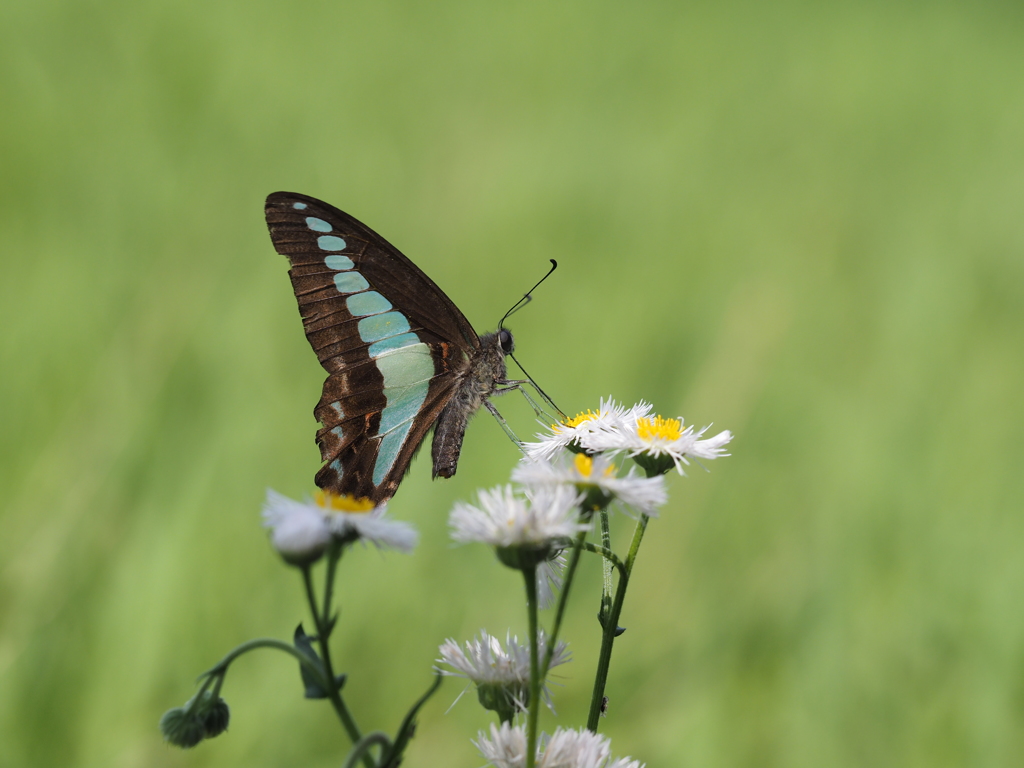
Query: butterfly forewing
392, 343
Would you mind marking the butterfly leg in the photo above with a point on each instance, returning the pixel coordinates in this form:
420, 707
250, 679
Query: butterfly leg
504, 424
518, 384
509, 385
537, 410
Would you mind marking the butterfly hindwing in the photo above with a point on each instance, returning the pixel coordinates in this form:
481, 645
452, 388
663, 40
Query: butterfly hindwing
392, 343
351, 451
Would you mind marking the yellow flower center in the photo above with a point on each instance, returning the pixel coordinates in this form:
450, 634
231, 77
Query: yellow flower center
659, 428
342, 502
576, 420
584, 464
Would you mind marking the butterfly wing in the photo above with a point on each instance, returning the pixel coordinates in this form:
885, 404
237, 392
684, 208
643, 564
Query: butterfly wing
392, 343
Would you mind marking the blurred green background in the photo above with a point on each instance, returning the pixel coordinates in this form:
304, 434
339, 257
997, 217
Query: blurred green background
800, 221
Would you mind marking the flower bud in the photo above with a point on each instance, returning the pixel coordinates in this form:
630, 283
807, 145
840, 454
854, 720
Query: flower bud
524, 557
595, 498
215, 717
182, 728
505, 699
654, 464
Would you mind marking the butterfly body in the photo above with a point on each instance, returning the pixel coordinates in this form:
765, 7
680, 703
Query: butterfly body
400, 356
479, 380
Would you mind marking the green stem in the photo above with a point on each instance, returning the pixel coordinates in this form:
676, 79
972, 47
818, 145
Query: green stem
322, 631
563, 598
634, 546
611, 624
195, 702
265, 642
332, 565
606, 542
608, 555
530, 575
215, 693
361, 750
606, 570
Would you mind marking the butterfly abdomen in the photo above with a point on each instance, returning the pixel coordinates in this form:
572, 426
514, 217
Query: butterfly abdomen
480, 378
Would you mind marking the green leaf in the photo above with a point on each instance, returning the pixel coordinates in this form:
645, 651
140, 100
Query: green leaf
304, 645
331, 623
602, 618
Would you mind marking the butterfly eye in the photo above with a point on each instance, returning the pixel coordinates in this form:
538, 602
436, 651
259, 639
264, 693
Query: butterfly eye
505, 340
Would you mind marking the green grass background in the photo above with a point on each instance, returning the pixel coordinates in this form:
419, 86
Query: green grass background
801, 221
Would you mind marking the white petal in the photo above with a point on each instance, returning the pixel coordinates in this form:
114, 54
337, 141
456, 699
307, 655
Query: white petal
298, 531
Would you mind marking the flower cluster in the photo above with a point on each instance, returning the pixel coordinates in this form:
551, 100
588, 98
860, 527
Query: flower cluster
657, 444
571, 473
567, 484
566, 479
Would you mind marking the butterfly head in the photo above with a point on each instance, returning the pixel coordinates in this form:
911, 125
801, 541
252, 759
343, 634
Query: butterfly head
505, 341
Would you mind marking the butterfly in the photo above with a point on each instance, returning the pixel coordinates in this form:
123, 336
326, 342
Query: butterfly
400, 356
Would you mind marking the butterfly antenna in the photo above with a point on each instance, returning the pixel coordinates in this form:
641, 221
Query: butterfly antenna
543, 394
527, 298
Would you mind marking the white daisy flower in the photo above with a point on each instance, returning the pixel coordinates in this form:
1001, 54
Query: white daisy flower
596, 477
581, 749
657, 444
302, 530
503, 519
610, 416
506, 748
501, 673
298, 531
